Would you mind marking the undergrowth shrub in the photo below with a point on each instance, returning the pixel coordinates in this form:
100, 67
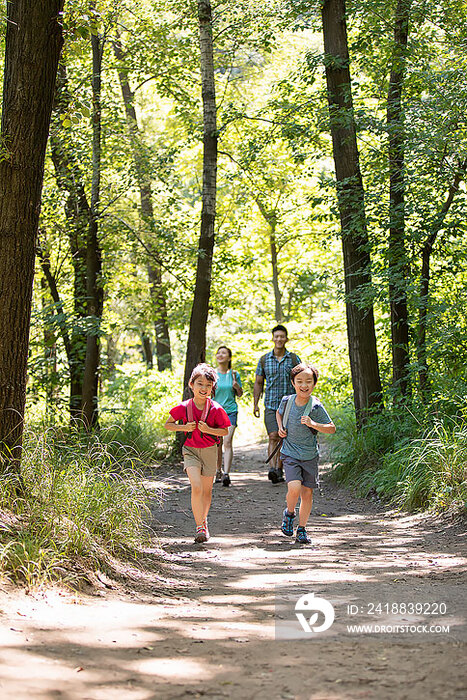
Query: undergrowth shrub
135, 406
84, 500
413, 460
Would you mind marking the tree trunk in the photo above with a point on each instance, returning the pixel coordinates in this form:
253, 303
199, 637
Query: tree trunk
196, 347
78, 216
425, 280
147, 350
159, 306
94, 291
50, 375
397, 258
275, 275
360, 320
32, 50
270, 216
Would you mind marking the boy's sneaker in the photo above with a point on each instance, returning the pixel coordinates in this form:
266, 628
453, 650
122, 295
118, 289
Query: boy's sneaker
226, 480
218, 478
301, 537
287, 523
201, 534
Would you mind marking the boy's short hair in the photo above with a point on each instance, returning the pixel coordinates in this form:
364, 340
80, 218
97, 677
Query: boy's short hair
280, 328
204, 370
300, 368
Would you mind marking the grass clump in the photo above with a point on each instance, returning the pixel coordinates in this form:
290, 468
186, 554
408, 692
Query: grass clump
405, 462
83, 501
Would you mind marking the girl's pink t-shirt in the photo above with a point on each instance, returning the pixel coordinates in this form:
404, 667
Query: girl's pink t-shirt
217, 418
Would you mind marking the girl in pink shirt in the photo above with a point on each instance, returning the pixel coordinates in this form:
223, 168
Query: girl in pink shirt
203, 421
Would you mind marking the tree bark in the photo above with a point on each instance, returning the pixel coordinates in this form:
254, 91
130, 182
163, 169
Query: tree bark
32, 50
270, 217
159, 305
427, 249
78, 216
196, 347
94, 291
360, 319
397, 258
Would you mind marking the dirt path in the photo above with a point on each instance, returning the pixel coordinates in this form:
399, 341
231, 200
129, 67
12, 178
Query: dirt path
212, 632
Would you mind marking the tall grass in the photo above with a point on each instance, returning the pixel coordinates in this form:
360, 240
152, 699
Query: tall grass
83, 500
413, 461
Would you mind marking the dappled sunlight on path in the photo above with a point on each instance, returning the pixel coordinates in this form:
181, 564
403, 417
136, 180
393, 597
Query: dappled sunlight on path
211, 632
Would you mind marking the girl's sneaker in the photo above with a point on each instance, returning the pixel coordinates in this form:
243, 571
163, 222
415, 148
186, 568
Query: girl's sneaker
201, 534
205, 523
218, 478
301, 537
226, 480
287, 523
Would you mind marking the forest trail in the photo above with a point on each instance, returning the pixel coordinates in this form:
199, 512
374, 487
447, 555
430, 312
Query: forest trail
205, 627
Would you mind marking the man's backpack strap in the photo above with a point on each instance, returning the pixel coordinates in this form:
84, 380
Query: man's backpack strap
295, 359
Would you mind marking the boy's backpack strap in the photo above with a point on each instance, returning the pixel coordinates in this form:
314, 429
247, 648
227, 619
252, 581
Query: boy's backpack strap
288, 406
311, 405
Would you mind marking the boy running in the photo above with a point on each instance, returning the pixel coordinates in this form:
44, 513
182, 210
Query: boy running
203, 421
299, 449
274, 370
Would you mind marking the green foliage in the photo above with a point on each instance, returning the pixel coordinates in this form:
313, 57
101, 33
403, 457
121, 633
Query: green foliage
83, 501
415, 460
135, 408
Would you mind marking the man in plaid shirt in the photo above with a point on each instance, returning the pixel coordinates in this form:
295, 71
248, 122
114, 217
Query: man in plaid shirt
274, 367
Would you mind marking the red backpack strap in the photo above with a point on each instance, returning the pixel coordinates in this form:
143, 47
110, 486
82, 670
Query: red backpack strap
189, 411
206, 409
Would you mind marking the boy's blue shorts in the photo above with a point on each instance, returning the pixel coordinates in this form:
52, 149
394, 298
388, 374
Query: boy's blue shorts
304, 470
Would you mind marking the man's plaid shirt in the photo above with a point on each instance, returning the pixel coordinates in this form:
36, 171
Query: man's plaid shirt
277, 376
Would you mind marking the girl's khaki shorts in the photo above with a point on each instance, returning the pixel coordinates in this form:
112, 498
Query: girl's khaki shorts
205, 458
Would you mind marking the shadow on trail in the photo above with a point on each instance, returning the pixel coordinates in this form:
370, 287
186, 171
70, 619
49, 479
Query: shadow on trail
215, 635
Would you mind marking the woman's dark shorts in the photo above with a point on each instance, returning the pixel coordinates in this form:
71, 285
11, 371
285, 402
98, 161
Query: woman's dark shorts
304, 470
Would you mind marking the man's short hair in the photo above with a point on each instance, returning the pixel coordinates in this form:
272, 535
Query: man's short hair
280, 328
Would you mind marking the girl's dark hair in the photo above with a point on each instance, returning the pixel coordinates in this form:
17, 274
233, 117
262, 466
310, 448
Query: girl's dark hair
204, 370
300, 368
224, 347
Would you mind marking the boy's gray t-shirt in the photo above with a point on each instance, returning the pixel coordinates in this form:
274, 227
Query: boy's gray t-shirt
301, 442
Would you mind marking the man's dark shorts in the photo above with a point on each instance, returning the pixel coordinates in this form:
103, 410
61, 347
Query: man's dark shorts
304, 470
270, 420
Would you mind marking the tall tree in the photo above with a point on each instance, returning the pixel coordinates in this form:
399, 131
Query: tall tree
427, 249
397, 259
70, 179
196, 346
159, 306
355, 244
32, 50
94, 289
